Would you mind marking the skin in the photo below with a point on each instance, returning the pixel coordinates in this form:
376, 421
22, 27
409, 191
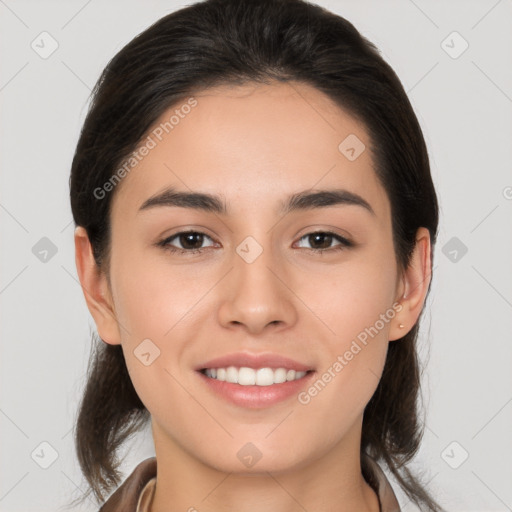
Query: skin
255, 145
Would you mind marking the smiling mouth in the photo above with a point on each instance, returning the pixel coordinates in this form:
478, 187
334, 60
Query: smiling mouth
246, 376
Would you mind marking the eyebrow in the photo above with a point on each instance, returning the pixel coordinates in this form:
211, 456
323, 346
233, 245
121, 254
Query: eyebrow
304, 200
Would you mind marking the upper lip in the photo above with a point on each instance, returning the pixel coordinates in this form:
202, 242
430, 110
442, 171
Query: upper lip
265, 360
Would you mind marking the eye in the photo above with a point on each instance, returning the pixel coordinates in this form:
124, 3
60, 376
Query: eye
190, 242
321, 241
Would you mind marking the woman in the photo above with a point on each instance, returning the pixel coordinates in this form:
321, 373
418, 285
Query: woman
255, 226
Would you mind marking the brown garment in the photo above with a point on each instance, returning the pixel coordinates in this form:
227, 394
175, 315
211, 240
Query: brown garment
135, 494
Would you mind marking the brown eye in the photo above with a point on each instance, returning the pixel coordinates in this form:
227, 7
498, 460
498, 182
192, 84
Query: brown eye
189, 242
321, 241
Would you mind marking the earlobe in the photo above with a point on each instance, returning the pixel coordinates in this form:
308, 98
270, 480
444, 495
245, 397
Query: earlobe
415, 283
95, 288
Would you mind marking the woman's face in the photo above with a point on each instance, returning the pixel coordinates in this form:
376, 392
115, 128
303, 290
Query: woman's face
260, 284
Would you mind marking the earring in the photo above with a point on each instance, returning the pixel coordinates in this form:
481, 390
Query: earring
401, 326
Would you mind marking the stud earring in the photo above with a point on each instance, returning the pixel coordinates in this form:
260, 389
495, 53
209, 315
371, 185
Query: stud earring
401, 326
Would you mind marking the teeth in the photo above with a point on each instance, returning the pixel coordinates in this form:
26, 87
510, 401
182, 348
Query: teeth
250, 377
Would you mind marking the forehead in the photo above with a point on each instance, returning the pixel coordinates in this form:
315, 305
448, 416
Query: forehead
254, 143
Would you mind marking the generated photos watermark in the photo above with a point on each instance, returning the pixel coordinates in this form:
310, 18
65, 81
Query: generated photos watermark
304, 397
151, 141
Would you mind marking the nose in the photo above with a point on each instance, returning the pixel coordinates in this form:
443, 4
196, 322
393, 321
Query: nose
256, 295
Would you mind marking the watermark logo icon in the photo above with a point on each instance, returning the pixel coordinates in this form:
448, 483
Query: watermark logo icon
454, 455
146, 352
44, 250
249, 455
351, 147
44, 455
454, 45
454, 249
44, 45
249, 249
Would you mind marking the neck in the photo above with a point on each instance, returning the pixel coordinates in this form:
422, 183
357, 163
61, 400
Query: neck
333, 481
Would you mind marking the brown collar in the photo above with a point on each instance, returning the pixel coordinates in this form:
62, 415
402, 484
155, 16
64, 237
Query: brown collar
126, 496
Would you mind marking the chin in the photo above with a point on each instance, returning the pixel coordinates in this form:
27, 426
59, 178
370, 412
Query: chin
256, 459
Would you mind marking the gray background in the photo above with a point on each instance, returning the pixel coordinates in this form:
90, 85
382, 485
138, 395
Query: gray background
464, 104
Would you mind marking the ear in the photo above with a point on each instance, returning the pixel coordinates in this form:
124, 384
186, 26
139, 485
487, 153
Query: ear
413, 287
96, 289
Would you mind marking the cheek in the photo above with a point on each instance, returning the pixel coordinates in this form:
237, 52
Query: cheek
356, 305
157, 306
349, 374
153, 297
352, 296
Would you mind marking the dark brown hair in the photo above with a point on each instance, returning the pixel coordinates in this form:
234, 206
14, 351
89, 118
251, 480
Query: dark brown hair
218, 42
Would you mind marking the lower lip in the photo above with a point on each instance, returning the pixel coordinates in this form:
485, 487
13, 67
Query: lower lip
256, 397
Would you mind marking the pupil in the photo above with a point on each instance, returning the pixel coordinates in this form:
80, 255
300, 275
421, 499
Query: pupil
190, 236
321, 237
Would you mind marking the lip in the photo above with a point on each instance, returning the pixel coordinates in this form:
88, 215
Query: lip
255, 361
256, 397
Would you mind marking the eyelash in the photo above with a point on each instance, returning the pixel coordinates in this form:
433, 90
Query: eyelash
344, 243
